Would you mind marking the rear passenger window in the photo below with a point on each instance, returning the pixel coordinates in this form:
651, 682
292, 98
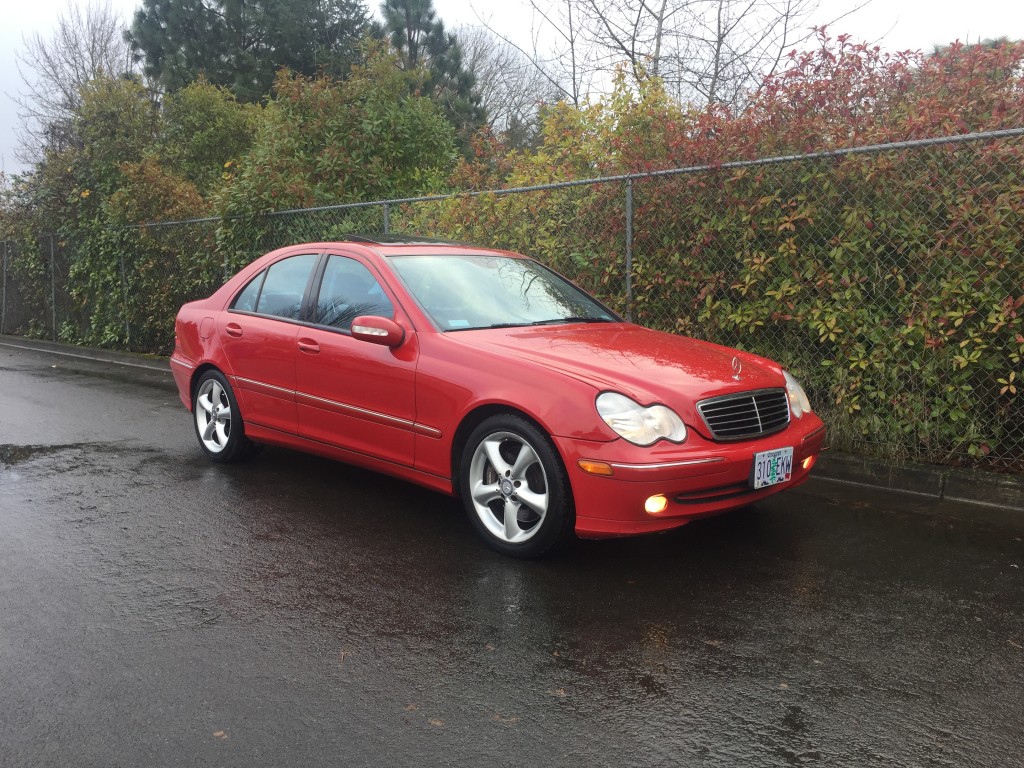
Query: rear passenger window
349, 290
246, 300
282, 289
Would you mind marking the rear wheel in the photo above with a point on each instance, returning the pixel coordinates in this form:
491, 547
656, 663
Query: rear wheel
514, 487
218, 422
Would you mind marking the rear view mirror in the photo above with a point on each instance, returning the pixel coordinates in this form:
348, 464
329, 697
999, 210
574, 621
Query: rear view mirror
378, 330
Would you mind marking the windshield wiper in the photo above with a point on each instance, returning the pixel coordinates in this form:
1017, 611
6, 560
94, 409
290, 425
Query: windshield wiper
520, 324
560, 320
552, 321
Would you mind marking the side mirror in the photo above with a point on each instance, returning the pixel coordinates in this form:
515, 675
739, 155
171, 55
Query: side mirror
378, 330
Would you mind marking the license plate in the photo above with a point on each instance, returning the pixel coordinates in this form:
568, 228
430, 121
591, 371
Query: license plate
772, 467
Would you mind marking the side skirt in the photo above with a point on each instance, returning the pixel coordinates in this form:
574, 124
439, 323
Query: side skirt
284, 440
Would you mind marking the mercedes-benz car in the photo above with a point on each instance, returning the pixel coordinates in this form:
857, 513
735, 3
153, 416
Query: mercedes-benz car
485, 375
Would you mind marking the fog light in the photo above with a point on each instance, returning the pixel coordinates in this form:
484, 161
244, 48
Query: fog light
595, 467
809, 462
655, 505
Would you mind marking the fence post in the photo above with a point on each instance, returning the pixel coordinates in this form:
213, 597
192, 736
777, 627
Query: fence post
387, 219
53, 288
124, 305
629, 248
3, 300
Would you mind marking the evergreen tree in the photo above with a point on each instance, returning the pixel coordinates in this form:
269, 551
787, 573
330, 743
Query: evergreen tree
241, 44
420, 39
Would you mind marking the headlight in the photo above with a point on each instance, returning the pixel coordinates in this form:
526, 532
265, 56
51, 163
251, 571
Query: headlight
638, 424
798, 402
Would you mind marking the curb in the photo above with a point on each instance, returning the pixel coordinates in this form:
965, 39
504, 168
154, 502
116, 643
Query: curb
128, 359
964, 486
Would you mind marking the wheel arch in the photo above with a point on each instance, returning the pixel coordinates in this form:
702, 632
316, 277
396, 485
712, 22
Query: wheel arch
197, 374
475, 418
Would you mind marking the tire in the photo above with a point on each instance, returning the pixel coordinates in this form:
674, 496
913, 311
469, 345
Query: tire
509, 467
218, 421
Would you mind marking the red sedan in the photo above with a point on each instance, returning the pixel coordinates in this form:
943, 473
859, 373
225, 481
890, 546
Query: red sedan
484, 374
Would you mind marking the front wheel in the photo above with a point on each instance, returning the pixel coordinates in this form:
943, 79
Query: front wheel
218, 422
514, 487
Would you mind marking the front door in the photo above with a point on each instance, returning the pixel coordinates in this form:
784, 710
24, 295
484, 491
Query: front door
354, 394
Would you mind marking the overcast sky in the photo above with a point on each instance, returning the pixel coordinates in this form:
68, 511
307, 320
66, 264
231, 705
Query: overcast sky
893, 24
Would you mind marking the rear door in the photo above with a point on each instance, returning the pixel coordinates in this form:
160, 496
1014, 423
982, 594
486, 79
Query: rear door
258, 334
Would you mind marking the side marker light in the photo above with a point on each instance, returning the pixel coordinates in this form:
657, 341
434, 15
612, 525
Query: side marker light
595, 467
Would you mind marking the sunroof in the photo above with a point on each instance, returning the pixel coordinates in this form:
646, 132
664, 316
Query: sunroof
398, 240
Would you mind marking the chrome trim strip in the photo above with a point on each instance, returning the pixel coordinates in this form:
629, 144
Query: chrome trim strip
355, 409
182, 363
818, 431
669, 464
426, 431
413, 426
742, 392
264, 385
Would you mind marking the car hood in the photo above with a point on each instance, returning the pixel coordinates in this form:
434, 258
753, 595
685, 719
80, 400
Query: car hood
646, 365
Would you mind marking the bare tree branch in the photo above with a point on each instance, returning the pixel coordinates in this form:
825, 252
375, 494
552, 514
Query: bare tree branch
706, 51
511, 88
556, 49
88, 42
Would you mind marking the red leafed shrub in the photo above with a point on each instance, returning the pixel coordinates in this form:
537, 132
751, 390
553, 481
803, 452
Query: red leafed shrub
891, 281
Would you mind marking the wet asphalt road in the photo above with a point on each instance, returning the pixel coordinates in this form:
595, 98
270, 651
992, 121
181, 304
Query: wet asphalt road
159, 610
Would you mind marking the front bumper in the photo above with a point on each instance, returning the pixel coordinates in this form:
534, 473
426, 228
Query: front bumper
699, 478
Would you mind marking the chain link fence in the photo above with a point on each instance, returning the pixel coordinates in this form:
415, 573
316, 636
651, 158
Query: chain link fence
890, 279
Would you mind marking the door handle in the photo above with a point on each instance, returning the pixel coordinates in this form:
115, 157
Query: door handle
309, 346
233, 329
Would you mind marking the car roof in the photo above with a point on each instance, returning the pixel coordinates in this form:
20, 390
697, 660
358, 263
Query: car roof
398, 245
384, 246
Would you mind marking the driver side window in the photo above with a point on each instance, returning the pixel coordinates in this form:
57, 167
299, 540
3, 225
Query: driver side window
347, 291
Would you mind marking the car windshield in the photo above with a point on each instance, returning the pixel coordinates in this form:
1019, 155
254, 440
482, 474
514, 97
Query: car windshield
467, 291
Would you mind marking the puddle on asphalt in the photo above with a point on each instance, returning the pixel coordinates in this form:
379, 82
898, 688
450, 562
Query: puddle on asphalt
15, 454
15, 458
12, 455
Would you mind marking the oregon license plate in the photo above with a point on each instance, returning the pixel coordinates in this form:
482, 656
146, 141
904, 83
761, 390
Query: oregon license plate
772, 467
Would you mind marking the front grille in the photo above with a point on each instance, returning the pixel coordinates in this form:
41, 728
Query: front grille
745, 414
